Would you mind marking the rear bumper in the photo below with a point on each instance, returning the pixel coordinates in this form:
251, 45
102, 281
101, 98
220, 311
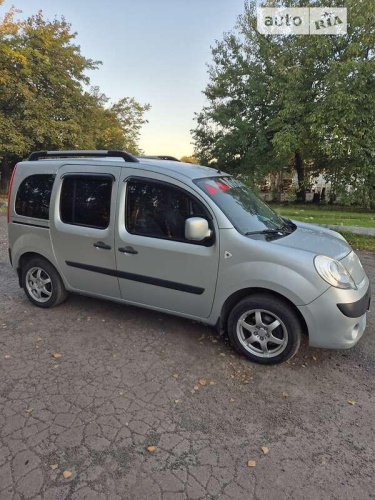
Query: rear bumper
337, 319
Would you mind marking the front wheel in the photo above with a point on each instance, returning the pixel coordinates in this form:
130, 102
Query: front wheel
266, 330
42, 283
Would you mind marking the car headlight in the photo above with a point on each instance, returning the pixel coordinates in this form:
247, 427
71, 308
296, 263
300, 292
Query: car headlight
333, 272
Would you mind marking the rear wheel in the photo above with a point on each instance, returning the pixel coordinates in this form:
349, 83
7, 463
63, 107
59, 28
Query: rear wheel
42, 283
266, 330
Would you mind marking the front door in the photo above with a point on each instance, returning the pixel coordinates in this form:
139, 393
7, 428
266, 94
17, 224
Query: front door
156, 265
82, 229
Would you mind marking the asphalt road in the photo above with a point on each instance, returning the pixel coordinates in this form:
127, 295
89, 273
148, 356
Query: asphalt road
128, 379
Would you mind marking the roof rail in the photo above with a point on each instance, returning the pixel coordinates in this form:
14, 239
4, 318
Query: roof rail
36, 155
159, 157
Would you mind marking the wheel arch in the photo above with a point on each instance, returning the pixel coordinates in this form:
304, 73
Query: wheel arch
233, 299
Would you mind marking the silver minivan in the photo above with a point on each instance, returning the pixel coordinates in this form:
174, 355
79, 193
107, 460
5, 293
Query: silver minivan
186, 240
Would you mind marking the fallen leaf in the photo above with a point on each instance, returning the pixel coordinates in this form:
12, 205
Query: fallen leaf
54, 466
314, 358
202, 381
39, 339
196, 387
251, 463
285, 394
175, 375
151, 449
212, 382
176, 401
351, 402
265, 449
67, 474
231, 400
56, 355
29, 410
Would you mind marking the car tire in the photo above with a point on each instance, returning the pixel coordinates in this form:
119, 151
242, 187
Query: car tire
42, 283
265, 329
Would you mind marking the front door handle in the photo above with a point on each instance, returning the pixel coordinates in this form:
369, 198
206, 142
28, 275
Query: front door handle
102, 245
128, 250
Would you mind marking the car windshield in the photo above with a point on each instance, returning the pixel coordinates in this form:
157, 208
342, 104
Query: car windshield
248, 213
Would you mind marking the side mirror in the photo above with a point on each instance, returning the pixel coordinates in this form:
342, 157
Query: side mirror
196, 229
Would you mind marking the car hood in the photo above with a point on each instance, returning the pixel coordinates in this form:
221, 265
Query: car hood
317, 240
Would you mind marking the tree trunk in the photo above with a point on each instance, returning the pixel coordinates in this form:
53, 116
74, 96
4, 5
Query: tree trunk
300, 169
5, 173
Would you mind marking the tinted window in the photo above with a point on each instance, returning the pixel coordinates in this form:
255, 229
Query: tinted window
159, 210
86, 201
33, 196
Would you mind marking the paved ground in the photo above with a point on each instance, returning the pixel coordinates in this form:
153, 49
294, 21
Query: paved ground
128, 379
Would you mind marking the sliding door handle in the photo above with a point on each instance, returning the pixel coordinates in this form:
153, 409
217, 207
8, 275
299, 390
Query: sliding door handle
128, 250
101, 245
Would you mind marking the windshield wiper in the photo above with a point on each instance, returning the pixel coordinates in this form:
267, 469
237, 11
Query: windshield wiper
282, 231
265, 231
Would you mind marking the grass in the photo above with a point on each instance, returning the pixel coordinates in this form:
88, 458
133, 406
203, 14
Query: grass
324, 215
360, 241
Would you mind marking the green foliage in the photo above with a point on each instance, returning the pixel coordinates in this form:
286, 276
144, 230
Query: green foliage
44, 101
130, 115
189, 159
304, 101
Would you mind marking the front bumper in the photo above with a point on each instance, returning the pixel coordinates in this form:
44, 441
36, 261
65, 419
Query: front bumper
337, 319
358, 308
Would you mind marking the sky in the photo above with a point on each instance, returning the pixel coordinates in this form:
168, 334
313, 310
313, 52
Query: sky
156, 51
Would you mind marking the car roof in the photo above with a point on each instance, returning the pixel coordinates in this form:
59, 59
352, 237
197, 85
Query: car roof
186, 169
168, 167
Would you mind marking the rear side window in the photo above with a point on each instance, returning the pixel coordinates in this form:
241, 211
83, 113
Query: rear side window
86, 200
34, 195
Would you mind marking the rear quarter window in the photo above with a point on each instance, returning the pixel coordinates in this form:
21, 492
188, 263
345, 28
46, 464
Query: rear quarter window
34, 195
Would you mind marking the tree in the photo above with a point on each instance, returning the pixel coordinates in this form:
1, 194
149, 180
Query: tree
44, 103
308, 100
130, 115
189, 159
